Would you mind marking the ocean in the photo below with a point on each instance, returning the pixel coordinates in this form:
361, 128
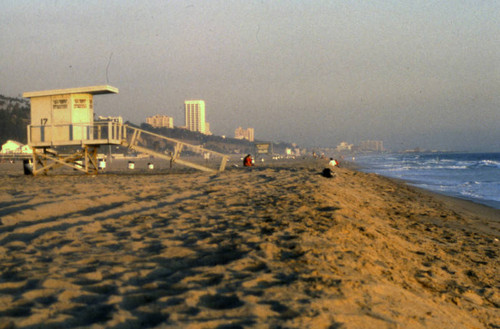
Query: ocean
470, 176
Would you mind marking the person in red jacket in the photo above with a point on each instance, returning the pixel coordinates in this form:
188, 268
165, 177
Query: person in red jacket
247, 161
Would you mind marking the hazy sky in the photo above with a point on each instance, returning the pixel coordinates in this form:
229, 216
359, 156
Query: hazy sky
410, 73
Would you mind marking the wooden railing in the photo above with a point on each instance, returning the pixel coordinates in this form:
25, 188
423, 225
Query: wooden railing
96, 133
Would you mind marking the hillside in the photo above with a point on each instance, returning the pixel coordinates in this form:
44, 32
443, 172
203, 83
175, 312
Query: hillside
220, 144
14, 117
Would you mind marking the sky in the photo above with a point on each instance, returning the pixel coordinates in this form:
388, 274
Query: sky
411, 73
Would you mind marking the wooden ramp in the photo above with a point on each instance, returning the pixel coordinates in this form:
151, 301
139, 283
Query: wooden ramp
84, 159
170, 149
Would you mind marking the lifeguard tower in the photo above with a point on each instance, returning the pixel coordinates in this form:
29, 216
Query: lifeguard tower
64, 119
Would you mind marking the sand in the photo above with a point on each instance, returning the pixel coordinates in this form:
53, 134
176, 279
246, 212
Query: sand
268, 247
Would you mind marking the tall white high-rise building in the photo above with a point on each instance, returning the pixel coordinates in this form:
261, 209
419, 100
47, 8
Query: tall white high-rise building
195, 116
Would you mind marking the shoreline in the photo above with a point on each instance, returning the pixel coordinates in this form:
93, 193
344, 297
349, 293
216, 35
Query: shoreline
451, 200
476, 202
489, 203
464, 207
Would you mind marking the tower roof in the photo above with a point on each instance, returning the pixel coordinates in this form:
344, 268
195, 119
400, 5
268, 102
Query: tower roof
94, 90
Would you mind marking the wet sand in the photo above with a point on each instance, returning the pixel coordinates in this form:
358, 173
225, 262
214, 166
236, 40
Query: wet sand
268, 247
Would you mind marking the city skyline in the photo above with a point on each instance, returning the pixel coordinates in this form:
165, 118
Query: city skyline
194, 120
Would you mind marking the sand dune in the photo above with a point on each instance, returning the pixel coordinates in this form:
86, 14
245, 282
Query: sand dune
267, 247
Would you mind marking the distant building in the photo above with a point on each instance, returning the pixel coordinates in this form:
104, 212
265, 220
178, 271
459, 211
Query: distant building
344, 146
377, 146
207, 129
15, 147
26, 149
11, 147
248, 134
160, 121
195, 116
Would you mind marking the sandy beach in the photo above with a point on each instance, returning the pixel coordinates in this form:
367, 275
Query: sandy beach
267, 247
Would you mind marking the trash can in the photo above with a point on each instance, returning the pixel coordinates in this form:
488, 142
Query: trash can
28, 167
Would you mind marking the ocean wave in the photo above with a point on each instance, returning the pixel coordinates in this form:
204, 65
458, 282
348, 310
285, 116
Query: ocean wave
470, 176
423, 167
489, 163
475, 196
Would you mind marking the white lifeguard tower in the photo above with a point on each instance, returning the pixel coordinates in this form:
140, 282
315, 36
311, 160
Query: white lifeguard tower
65, 118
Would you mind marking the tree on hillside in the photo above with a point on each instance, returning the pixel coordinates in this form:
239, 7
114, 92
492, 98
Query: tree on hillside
14, 118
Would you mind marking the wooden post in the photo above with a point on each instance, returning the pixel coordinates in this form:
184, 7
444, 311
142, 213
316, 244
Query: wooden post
110, 132
223, 163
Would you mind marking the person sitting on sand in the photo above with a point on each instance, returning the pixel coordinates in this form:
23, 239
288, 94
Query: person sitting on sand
247, 161
327, 172
333, 162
